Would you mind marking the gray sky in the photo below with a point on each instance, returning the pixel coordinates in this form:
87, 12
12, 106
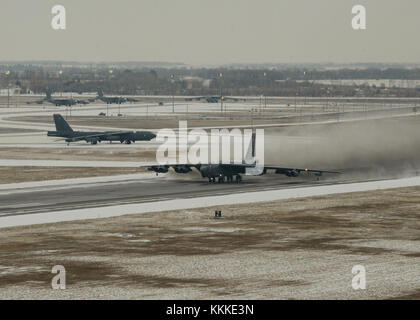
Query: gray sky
211, 31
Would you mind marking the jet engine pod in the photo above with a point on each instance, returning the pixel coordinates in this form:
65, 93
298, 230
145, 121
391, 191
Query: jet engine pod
182, 169
293, 173
158, 169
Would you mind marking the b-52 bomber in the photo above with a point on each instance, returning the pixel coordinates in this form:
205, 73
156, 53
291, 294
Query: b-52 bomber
68, 102
63, 130
214, 99
224, 172
115, 99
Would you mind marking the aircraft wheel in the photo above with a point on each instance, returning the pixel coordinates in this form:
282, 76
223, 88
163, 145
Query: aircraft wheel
238, 179
221, 179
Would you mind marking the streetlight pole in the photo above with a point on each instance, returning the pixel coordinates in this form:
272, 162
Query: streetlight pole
60, 73
8, 88
221, 91
111, 71
304, 78
173, 98
264, 90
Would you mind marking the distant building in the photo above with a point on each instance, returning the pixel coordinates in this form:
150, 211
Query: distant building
11, 91
196, 80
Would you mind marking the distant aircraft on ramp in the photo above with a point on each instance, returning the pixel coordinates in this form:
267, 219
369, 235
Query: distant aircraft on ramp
214, 99
63, 130
114, 99
68, 102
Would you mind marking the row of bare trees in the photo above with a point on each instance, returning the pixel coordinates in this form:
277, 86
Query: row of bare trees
185, 81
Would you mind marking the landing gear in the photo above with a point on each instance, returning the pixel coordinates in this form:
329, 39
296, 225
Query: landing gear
223, 179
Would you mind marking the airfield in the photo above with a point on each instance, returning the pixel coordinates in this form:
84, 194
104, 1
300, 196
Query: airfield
123, 232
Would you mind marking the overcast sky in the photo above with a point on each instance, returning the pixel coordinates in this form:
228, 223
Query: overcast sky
211, 31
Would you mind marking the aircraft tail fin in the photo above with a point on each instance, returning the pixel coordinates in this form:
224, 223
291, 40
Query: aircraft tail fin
61, 125
250, 154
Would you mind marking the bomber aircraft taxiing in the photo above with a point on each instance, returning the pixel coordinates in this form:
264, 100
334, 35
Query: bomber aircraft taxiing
67, 102
115, 99
225, 172
215, 99
64, 130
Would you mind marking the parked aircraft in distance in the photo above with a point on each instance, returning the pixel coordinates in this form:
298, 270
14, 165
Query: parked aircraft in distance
63, 130
68, 102
114, 99
214, 99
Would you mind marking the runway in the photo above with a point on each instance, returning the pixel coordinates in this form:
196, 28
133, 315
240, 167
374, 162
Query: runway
48, 203
83, 195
